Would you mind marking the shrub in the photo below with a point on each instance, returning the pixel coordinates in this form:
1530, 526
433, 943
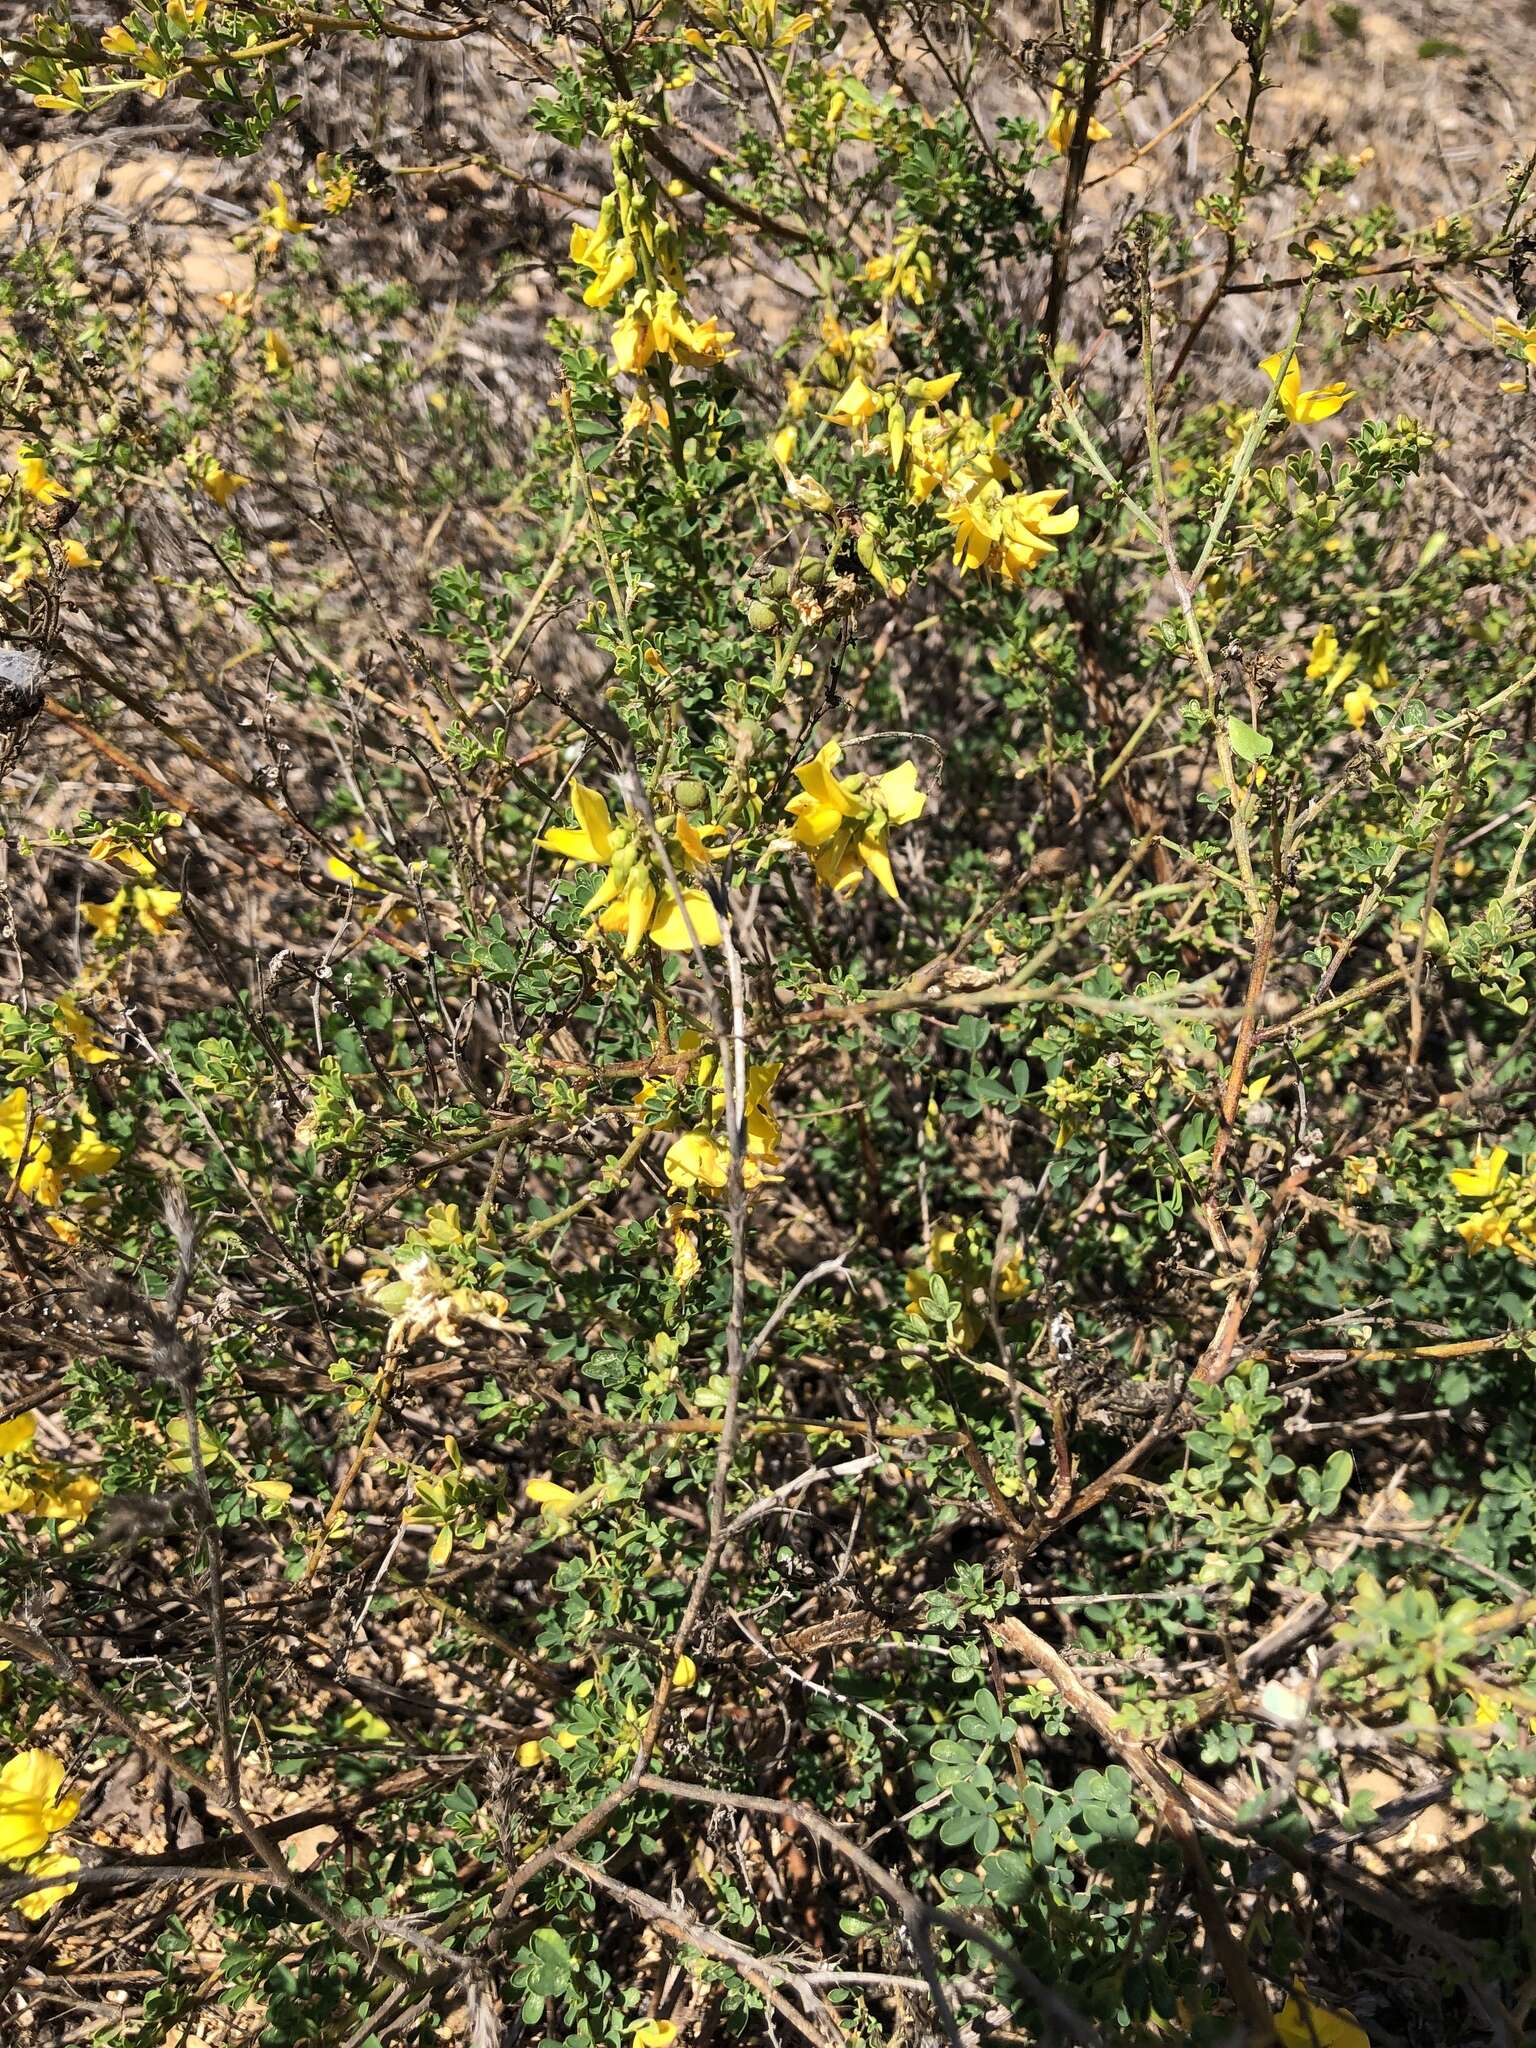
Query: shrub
767, 1085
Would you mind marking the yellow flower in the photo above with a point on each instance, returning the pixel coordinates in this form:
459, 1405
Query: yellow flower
276, 355
696, 1160
1521, 339
114, 845
1479, 1180
1324, 653
1028, 518
1005, 531
699, 1159
685, 1674
91, 1154
31, 1811
655, 2034
78, 556
1361, 1173
277, 222
697, 343
104, 918
978, 523
154, 909
1300, 2024
220, 483
612, 262
632, 897
61, 1496
844, 822
530, 1754
1304, 407
18, 1435
33, 474
55, 1863
558, 1502
857, 405
341, 870
1358, 704
634, 341
686, 1264
28, 1150
1063, 124
30, 1806
80, 1032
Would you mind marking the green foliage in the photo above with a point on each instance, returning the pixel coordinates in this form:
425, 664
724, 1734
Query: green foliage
742, 958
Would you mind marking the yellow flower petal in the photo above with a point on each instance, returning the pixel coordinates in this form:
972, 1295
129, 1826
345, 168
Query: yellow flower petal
556, 1501
898, 794
669, 931
56, 1863
695, 1160
1482, 1177
1300, 2024
873, 853
30, 1807
17, 1435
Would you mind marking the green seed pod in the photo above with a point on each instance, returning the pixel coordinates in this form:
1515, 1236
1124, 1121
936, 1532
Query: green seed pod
812, 574
762, 617
690, 794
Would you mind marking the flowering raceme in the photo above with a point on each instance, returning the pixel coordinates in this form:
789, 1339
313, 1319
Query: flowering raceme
152, 909
844, 822
44, 1161
701, 1158
657, 325
633, 897
947, 452
632, 242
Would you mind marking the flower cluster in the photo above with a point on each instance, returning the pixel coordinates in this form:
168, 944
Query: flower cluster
947, 452
40, 1487
700, 1158
420, 1297
844, 822
636, 896
1325, 663
959, 1256
44, 1160
31, 1814
1505, 1219
632, 244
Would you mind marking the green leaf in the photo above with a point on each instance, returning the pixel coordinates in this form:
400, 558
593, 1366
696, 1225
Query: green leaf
1247, 742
